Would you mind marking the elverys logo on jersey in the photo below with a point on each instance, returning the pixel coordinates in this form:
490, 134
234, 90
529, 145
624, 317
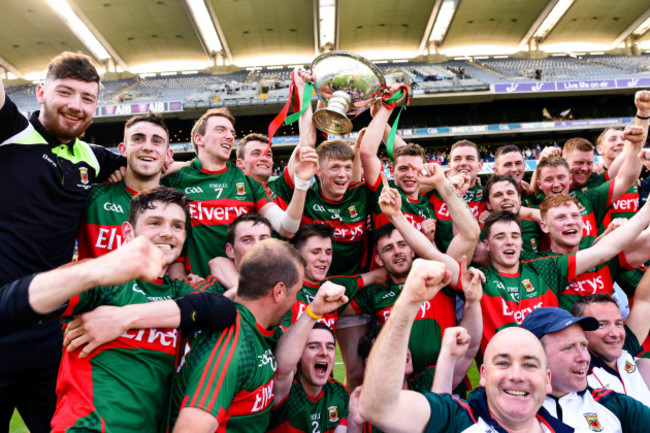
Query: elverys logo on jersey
592, 421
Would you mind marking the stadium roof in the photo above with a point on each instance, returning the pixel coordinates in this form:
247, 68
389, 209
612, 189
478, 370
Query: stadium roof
262, 32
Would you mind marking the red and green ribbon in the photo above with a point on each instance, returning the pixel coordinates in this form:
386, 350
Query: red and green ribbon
283, 116
389, 102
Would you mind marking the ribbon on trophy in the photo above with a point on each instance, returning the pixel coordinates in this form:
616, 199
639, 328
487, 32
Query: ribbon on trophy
389, 101
283, 116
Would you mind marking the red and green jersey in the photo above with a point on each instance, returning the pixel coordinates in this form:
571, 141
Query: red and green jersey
347, 216
101, 223
509, 298
216, 198
434, 317
593, 208
301, 412
597, 280
626, 206
229, 375
308, 292
531, 235
414, 210
444, 229
123, 386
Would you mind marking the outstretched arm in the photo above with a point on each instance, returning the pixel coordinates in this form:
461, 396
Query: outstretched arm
390, 202
637, 321
635, 137
460, 213
287, 222
306, 127
613, 243
455, 342
287, 353
472, 281
370, 143
383, 402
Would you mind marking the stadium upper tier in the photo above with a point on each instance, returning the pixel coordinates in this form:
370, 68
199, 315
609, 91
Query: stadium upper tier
271, 86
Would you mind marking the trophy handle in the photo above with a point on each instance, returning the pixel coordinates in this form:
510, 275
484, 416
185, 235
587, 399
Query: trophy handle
333, 119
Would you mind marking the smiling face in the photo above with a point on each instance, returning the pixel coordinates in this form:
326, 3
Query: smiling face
515, 377
504, 245
611, 145
247, 234
405, 176
465, 160
335, 176
217, 142
317, 252
568, 359
164, 225
68, 106
581, 164
146, 149
510, 164
395, 255
317, 360
504, 196
564, 225
607, 341
554, 180
256, 161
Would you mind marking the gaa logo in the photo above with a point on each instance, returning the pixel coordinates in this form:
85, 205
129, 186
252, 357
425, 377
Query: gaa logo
193, 190
629, 367
333, 412
112, 207
528, 286
592, 421
240, 188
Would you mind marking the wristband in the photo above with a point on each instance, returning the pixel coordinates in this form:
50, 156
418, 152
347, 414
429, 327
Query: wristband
642, 117
301, 185
311, 313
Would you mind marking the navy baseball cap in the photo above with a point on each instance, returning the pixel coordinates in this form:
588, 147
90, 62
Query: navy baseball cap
545, 320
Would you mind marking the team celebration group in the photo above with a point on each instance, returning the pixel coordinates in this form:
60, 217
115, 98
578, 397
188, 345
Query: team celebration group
208, 297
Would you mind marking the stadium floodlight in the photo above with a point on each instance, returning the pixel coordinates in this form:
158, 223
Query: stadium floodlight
327, 22
445, 14
553, 17
642, 29
206, 27
80, 29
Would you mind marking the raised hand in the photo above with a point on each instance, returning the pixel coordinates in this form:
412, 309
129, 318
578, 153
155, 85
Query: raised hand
390, 201
329, 297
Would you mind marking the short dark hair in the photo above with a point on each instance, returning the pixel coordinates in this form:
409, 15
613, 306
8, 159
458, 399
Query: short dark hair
578, 308
253, 217
320, 325
153, 118
508, 148
145, 200
410, 149
335, 149
499, 217
266, 264
241, 147
496, 178
366, 341
384, 231
200, 124
77, 66
310, 230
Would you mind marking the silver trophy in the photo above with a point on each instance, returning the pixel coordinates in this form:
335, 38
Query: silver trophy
348, 84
